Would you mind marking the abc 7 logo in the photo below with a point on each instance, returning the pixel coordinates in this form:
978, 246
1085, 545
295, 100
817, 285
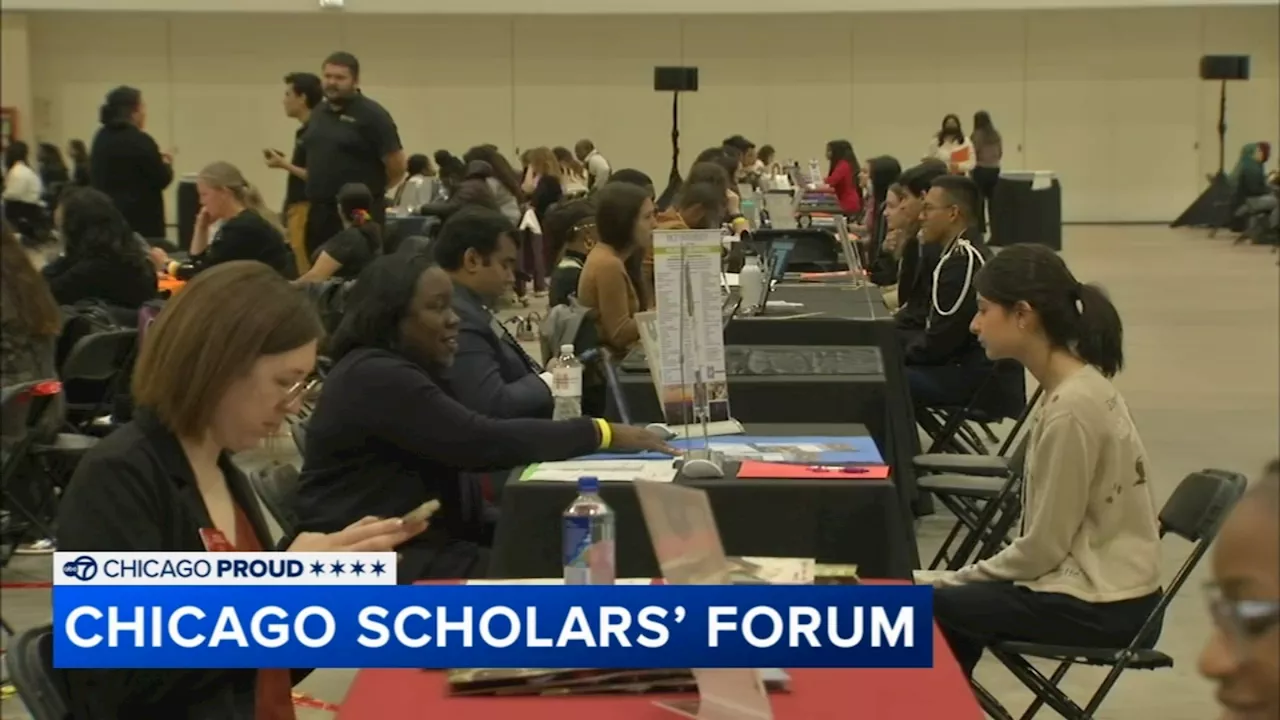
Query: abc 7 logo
83, 568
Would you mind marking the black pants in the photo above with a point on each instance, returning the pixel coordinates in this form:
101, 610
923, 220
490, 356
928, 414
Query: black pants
985, 178
976, 616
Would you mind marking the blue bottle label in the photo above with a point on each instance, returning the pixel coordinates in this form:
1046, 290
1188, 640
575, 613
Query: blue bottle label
576, 541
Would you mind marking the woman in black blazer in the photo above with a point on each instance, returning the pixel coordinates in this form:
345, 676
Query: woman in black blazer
128, 166
387, 435
102, 259
228, 359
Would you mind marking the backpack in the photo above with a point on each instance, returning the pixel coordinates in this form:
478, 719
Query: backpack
572, 324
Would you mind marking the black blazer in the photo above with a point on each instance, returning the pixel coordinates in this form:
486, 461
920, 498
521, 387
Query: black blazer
126, 164
114, 280
946, 339
385, 438
491, 373
136, 492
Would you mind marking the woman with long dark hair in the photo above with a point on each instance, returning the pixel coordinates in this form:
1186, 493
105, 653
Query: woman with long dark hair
504, 182
79, 155
842, 176
625, 221
102, 258
348, 253
450, 169
988, 148
1085, 569
53, 173
951, 146
883, 172
127, 165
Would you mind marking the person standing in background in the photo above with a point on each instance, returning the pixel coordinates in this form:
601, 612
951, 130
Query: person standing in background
127, 165
989, 150
79, 155
598, 169
53, 173
302, 93
349, 139
952, 147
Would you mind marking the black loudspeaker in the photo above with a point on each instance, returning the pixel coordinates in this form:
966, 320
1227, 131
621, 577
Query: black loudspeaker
675, 79
1224, 67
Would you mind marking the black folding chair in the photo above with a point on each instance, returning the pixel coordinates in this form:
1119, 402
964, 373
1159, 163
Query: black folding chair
276, 486
1194, 512
99, 359
1001, 395
41, 688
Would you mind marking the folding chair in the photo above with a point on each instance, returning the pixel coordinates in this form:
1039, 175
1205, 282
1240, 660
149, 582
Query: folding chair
276, 487
39, 685
99, 359
992, 401
1194, 512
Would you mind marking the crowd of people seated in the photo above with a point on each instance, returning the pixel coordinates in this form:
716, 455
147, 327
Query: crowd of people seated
428, 392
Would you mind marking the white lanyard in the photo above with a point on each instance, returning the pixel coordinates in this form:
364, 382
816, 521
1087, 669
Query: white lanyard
972, 255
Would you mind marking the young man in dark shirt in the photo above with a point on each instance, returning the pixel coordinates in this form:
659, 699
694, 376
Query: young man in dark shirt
945, 362
349, 139
492, 374
302, 92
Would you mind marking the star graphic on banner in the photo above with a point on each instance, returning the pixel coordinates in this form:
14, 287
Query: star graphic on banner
317, 568
336, 568
357, 568
378, 568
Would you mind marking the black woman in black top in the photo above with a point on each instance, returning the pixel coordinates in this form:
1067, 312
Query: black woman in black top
102, 258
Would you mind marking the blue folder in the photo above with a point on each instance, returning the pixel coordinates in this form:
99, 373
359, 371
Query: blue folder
864, 448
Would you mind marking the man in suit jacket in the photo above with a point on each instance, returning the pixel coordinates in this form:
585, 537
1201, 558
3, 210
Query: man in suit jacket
491, 373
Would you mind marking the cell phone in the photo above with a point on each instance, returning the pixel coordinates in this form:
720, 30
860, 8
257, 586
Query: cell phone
422, 513
269, 152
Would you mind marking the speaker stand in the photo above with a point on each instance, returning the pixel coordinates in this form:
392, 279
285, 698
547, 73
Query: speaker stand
1213, 208
673, 178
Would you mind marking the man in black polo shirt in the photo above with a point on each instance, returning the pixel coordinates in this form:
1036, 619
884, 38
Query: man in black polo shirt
302, 92
350, 139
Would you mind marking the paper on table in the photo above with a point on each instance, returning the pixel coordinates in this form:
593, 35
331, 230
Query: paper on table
774, 570
1041, 180
752, 469
605, 470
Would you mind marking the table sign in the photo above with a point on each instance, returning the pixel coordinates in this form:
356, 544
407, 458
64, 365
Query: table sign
687, 543
690, 335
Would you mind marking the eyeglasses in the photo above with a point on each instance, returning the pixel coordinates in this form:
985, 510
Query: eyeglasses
1241, 620
300, 389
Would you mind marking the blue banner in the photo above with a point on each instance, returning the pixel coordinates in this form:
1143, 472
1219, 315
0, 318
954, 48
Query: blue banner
493, 626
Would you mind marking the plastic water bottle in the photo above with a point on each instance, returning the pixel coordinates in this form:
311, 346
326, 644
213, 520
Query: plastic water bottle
587, 537
751, 282
566, 384
815, 172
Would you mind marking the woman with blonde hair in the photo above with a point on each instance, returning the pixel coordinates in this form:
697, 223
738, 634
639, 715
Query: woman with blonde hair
573, 174
249, 231
542, 181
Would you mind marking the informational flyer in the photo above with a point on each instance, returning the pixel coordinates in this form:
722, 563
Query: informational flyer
690, 331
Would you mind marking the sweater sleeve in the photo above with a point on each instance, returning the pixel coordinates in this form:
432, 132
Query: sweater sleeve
1055, 499
841, 173
616, 321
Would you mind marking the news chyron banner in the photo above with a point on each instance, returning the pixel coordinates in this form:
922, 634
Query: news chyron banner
344, 610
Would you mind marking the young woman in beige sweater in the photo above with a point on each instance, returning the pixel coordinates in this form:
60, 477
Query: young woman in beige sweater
1085, 569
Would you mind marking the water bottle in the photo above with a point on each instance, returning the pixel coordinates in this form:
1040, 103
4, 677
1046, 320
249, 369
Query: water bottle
566, 384
587, 537
751, 282
815, 172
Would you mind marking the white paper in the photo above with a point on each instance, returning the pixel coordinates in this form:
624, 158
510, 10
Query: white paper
1041, 180
662, 471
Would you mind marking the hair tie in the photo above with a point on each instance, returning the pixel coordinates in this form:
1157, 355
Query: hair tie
359, 216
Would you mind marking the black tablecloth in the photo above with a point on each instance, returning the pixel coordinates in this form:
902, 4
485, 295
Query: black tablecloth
833, 521
1022, 215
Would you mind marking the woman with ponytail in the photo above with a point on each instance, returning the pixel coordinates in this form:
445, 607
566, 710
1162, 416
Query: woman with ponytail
346, 254
1085, 570
248, 231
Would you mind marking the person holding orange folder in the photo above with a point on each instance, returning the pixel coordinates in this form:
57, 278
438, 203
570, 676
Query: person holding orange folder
952, 147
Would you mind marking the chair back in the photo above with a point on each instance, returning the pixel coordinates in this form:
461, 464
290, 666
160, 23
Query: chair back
1195, 512
99, 356
42, 688
21, 408
276, 486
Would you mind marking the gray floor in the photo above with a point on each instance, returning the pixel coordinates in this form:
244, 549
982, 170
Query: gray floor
1201, 320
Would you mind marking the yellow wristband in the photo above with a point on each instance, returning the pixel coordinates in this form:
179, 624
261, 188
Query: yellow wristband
606, 433
173, 267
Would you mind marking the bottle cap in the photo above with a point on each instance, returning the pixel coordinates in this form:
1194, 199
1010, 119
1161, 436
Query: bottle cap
588, 483
566, 349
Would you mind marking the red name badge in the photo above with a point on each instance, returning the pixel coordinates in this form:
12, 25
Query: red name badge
215, 541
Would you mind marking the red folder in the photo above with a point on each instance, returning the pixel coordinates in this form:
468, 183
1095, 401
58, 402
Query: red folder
753, 469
